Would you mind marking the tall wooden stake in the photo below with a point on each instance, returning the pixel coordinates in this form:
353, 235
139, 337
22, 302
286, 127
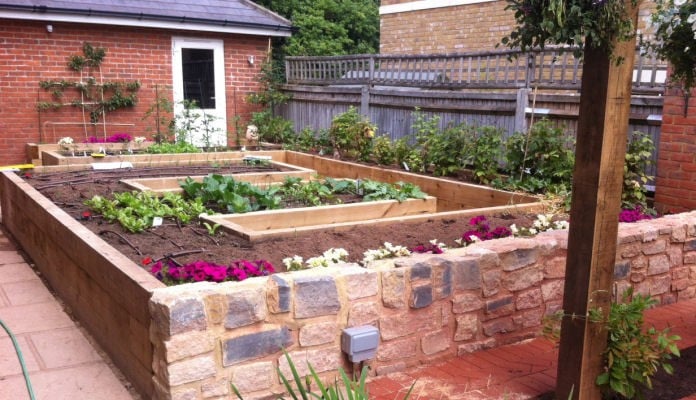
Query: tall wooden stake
605, 99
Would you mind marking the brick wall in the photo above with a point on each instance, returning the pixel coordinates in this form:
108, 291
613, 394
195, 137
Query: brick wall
206, 335
460, 28
29, 54
675, 185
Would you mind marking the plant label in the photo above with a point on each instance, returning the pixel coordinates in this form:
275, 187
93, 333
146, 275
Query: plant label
156, 221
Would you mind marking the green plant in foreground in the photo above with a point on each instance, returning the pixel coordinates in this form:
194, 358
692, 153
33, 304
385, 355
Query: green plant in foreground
633, 354
345, 388
638, 158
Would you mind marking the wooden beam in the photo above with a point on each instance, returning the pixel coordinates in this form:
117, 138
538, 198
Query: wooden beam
596, 201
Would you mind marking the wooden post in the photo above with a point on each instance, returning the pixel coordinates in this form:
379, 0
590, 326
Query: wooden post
521, 110
596, 201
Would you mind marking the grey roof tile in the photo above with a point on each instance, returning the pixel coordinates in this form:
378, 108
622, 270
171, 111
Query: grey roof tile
214, 12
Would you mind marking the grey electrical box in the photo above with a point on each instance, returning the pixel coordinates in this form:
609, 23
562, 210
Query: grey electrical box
360, 342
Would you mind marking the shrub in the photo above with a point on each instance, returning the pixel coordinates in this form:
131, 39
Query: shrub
541, 160
351, 135
639, 153
487, 151
383, 151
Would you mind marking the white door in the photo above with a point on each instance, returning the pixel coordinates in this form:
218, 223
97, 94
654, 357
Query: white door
199, 91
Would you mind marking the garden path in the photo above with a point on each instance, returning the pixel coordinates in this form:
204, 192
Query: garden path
63, 363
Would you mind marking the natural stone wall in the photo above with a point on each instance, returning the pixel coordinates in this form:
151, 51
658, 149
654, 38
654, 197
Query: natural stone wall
207, 336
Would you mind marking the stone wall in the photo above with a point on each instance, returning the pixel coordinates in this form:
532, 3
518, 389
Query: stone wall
207, 336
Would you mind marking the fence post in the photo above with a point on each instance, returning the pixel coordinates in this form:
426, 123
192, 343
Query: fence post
521, 110
365, 101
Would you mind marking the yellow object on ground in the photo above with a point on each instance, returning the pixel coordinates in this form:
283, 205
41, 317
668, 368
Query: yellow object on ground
16, 167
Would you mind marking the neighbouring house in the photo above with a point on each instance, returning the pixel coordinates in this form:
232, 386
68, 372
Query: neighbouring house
447, 26
210, 51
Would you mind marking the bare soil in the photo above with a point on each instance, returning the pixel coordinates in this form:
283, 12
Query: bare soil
189, 243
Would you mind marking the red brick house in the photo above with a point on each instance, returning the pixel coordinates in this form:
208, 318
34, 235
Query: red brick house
448, 26
207, 50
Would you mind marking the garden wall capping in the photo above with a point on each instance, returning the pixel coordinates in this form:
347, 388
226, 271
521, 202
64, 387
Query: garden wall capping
426, 307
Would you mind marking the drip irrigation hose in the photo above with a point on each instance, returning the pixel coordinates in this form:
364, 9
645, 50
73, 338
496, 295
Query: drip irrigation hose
21, 361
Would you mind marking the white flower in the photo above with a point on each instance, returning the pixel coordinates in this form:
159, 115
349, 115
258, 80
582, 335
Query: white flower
460, 242
691, 19
293, 263
474, 238
515, 231
64, 141
532, 231
139, 139
679, 3
317, 262
335, 256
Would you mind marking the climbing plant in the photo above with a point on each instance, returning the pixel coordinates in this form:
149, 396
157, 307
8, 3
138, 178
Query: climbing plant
94, 96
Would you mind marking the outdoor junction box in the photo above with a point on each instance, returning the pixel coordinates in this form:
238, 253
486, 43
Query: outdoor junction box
360, 342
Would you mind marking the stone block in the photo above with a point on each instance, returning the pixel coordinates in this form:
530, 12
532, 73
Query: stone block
188, 344
316, 296
658, 264
499, 307
363, 314
639, 263
690, 245
630, 250
466, 302
435, 342
215, 389
321, 360
360, 282
680, 284
552, 290
421, 296
215, 308
252, 377
391, 368
180, 315
690, 257
649, 235
621, 269
654, 247
420, 271
397, 349
443, 273
528, 299
467, 327
500, 325
491, 282
619, 289
518, 258
528, 319
680, 273
191, 370
466, 273
675, 256
467, 348
279, 295
399, 325
394, 288
555, 268
678, 234
255, 345
523, 278
319, 333
182, 394
660, 285
637, 277
245, 307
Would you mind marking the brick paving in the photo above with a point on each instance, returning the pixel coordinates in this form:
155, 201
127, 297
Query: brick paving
62, 363
520, 371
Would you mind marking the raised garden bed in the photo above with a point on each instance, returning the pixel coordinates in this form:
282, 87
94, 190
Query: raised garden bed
426, 307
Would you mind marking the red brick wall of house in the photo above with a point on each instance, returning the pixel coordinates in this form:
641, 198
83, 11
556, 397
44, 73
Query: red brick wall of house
675, 186
29, 54
461, 28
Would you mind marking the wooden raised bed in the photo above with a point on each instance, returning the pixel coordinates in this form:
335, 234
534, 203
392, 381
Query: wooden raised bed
279, 223
111, 295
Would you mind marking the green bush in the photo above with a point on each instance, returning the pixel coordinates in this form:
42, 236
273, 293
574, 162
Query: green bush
634, 354
383, 151
272, 129
541, 160
638, 158
351, 135
486, 153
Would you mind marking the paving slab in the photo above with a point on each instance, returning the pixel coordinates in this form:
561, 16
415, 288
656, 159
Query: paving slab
62, 362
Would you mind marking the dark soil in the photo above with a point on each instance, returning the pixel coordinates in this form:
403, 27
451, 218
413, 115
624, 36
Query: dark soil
69, 190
